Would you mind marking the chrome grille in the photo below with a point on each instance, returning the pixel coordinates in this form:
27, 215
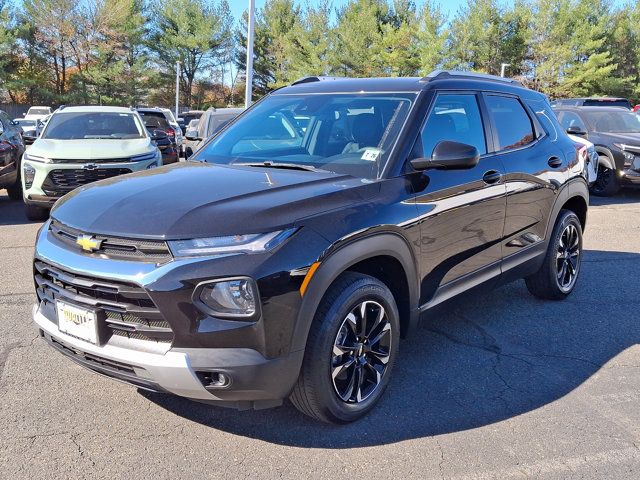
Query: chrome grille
155, 251
127, 309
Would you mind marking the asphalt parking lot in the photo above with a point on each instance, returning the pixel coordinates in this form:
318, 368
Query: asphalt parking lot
504, 386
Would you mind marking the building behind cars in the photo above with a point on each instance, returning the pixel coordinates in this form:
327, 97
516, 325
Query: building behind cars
615, 133
11, 150
212, 121
80, 145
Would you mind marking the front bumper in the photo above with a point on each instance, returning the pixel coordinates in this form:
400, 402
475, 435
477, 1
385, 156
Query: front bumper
254, 379
35, 193
256, 356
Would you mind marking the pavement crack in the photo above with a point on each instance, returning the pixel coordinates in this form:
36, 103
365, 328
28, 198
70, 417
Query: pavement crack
81, 451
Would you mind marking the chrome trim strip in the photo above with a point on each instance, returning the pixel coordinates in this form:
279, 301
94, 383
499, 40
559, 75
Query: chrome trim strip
136, 272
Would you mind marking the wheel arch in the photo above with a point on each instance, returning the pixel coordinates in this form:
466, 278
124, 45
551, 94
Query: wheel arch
606, 157
575, 197
386, 256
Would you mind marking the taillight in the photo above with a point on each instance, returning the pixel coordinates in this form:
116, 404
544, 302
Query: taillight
582, 152
171, 132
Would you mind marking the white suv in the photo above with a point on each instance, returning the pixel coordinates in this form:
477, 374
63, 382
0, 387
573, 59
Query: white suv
80, 145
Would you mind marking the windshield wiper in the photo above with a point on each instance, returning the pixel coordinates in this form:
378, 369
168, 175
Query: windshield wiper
290, 166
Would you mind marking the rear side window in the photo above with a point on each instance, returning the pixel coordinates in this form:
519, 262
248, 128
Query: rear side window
570, 119
511, 121
455, 118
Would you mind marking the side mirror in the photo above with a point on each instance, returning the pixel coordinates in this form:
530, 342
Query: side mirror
448, 155
576, 130
192, 135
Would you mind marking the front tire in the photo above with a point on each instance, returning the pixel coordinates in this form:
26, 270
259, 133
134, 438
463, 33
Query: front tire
36, 213
558, 275
15, 190
606, 184
351, 349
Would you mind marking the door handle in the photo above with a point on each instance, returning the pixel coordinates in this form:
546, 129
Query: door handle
491, 177
554, 162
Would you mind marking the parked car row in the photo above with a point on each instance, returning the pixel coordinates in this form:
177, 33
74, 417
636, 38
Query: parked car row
615, 135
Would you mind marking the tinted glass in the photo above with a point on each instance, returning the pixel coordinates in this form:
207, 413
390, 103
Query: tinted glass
571, 119
607, 103
613, 122
343, 133
155, 121
219, 121
511, 121
92, 125
455, 118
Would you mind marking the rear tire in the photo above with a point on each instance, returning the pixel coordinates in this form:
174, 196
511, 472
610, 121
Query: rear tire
348, 362
558, 275
36, 213
606, 184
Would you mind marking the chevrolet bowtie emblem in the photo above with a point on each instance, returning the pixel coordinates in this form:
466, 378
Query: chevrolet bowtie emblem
88, 243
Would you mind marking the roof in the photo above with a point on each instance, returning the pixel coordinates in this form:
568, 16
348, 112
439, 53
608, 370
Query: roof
437, 79
579, 108
94, 108
213, 110
606, 99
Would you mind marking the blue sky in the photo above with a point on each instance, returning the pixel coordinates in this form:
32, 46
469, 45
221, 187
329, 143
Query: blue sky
238, 6
449, 7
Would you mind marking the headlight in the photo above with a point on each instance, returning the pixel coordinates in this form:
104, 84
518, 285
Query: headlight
36, 158
250, 243
28, 173
235, 297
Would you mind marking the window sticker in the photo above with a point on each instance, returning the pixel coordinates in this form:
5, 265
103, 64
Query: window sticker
371, 154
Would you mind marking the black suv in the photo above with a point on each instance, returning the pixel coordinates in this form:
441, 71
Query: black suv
615, 134
11, 150
309, 236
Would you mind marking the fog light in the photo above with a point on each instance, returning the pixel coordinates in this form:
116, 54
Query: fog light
28, 173
214, 379
230, 298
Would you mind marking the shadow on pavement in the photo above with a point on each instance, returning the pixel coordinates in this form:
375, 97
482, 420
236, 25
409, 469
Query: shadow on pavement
11, 211
626, 195
489, 359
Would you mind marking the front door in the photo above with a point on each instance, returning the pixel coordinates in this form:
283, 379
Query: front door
461, 212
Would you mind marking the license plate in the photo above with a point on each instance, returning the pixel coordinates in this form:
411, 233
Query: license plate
77, 321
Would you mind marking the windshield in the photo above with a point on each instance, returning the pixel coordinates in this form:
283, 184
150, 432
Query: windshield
607, 103
614, 122
92, 125
38, 111
343, 133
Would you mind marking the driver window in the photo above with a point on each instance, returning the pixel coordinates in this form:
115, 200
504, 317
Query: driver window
455, 118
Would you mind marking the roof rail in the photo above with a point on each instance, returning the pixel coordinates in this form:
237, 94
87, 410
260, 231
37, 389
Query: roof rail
312, 78
440, 74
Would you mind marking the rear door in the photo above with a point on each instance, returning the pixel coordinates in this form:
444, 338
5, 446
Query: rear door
461, 211
535, 169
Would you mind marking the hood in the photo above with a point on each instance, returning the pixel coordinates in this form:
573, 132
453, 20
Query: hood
189, 200
626, 138
90, 149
